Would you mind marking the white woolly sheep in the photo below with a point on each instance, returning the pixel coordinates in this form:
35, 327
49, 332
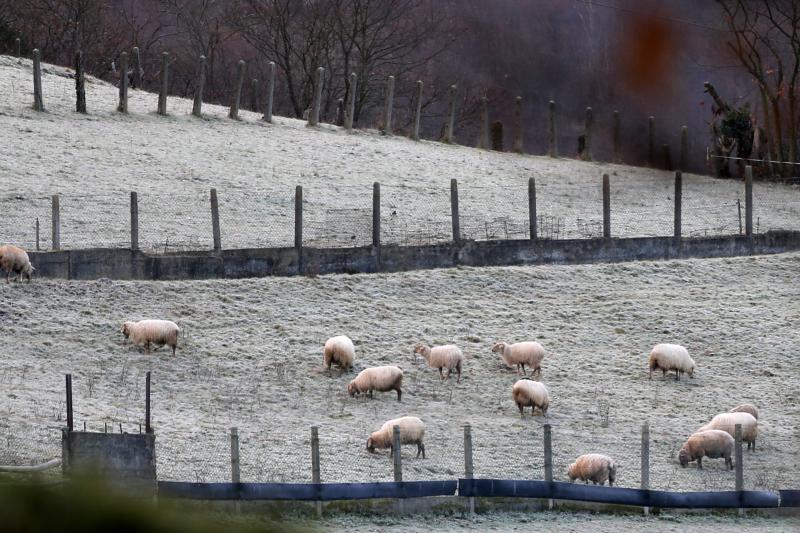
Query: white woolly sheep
377, 378
594, 467
671, 357
746, 408
712, 443
521, 353
447, 356
147, 332
527, 392
14, 260
727, 423
412, 431
339, 350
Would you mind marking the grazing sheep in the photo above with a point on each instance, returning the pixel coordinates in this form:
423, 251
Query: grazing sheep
727, 423
378, 378
712, 443
14, 259
147, 332
671, 357
520, 354
594, 467
339, 350
746, 408
447, 356
412, 431
527, 392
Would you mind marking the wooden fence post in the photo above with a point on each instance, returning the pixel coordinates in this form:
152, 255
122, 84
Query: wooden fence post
298, 226
122, 107
469, 470
18, 44
645, 480
254, 95
270, 91
616, 138
651, 142
548, 459
376, 214
80, 83
37, 234
235, 464
552, 148
587, 135
454, 210
215, 221
137, 68
678, 202
55, 242
147, 426
449, 132
387, 110
316, 477
748, 201
162, 94
532, 208
70, 419
38, 102
684, 161
200, 83
483, 135
351, 102
667, 157
134, 220
417, 111
606, 207
737, 431
518, 143
398, 463
313, 118
237, 91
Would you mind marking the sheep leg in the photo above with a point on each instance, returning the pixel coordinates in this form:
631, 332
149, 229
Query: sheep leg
441, 375
399, 393
458, 368
699, 463
521, 410
370, 393
147, 347
677, 375
174, 346
523, 369
421, 447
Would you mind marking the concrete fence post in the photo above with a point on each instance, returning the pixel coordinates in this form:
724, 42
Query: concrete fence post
748, 200
200, 83
270, 91
55, 242
134, 220
587, 135
215, 221
469, 470
237, 91
235, 469
678, 204
548, 459
606, 207
483, 136
137, 68
37, 234
376, 214
80, 83
313, 118
667, 157
683, 164
298, 226
417, 111
351, 102
737, 431
254, 95
387, 110
38, 102
518, 133
651, 142
616, 138
316, 476
532, 208
645, 480
454, 215
449, 132
162, 94
552, 148
122, 107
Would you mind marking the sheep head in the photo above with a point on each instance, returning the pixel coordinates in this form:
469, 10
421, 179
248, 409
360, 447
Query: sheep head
351, 388
691, 372
424, 351
370, 445
499, 347
126, 329
683, 457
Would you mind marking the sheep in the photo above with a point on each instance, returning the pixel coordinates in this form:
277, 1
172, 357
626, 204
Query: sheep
447, 356
712, 443
14, 259
671, 357
339, 350
379, 378
727, 423
746, 408
594, 467
148, 332
520, 354
412, 431
527, 392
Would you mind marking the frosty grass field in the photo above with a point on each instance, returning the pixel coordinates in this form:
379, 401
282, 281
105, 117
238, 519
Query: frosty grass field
250, 355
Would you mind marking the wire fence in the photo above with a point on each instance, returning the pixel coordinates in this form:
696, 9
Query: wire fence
342, 217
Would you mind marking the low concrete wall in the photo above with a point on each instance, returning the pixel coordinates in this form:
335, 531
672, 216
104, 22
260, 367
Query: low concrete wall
116, 456
117, 263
